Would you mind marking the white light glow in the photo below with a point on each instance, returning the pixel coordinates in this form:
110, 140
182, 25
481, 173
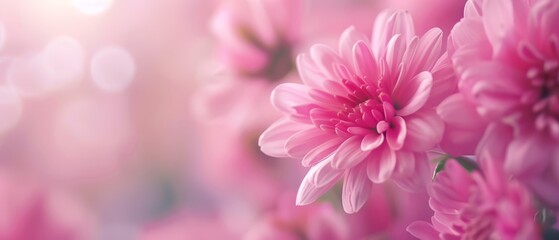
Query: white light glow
93, 7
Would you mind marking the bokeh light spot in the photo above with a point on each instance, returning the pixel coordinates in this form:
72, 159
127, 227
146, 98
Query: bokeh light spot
112, 69
64, 59
29, 76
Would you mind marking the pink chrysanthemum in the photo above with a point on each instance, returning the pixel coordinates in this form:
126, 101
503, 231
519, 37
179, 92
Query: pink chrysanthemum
364, 113
477, 206
256, 37
506, 53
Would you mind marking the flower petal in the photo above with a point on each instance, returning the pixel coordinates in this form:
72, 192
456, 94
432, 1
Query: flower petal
371, 141
396, 135
365, 64
424, 55
381, 164
423, 230
356, 189
498, 19
308, 71
300, 143
529, 154
349, 154
321, 152
272, 141
308, 192
348, 38
424, 130
411, 96
326, 60
323, 173
287, 96
388, 24
405, 163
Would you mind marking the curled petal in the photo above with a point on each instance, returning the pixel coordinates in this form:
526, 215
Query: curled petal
371, 141
396, 135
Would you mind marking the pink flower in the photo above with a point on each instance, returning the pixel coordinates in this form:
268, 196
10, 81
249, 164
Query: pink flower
189, 225
314, 222
256, 37
364, 113
31, 211
506, 54
477, 205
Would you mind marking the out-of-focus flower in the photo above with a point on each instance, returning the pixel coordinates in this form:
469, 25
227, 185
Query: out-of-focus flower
388, 212
288, 221
32, 212
506, 54
188, 225
256, 37
477, 205
364, 113
430, 13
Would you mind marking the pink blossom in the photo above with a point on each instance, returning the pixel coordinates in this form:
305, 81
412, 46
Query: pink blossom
364, 113
31, 211
506, 55
313, 222
256, 37
188, 225
477, 205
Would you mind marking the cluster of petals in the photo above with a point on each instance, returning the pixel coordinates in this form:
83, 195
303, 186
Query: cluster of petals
483, 204
364, 113
257, 48
506, 57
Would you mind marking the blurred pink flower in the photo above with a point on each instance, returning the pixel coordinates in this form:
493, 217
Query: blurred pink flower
188, 225
506, 55
256, 36
447, 12
288, 221
477, 205
364, 113
32, 212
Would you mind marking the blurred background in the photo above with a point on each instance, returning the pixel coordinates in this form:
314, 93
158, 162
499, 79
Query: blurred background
139, 119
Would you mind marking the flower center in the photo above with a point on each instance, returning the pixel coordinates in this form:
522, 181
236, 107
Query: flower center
365, 109
543, 98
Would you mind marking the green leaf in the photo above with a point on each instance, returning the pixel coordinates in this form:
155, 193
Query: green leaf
441, 162
467, 163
